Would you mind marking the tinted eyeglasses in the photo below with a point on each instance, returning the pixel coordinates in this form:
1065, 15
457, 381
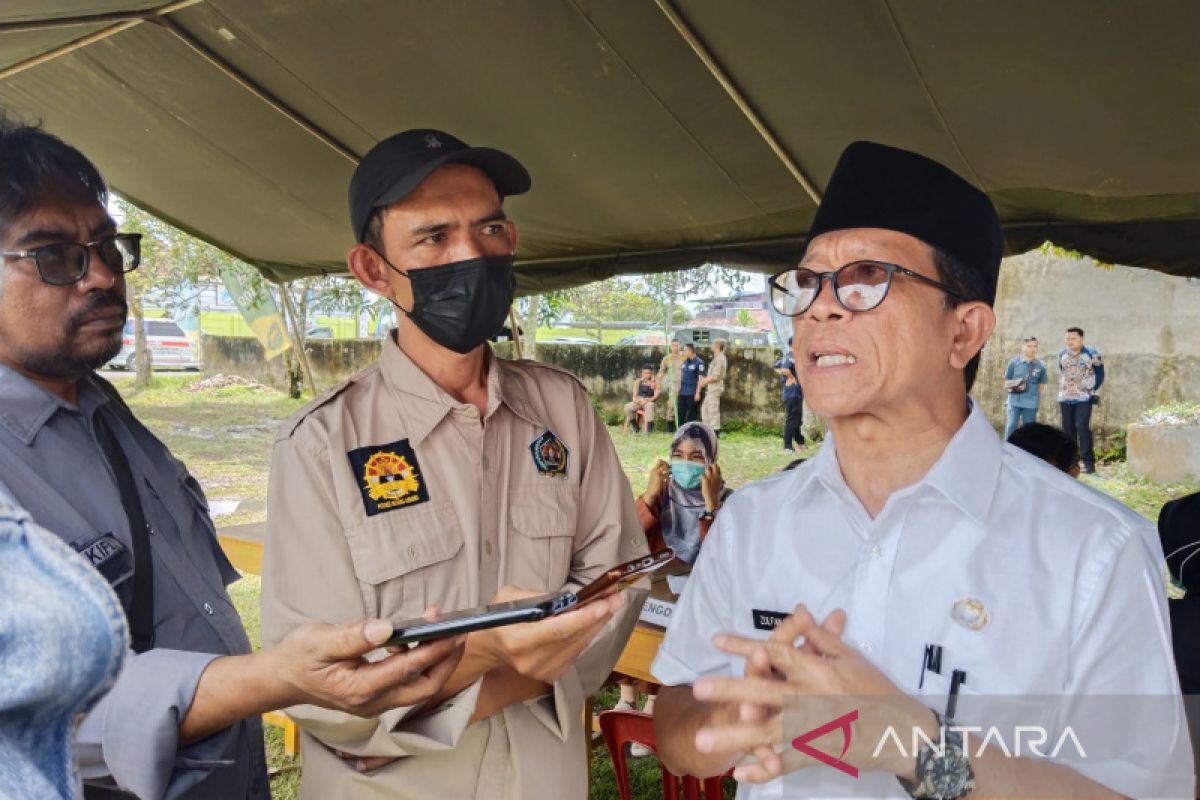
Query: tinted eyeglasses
64, 263
857, 286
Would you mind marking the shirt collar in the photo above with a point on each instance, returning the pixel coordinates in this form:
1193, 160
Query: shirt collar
27, 407
969, 468
966, 473
426, 404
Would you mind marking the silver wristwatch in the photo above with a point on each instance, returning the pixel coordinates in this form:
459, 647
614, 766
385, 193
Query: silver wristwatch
943, 773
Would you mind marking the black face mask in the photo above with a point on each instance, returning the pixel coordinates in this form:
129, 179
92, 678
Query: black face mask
460, 305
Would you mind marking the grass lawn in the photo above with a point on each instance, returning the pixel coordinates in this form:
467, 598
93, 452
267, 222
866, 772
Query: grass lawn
225, 435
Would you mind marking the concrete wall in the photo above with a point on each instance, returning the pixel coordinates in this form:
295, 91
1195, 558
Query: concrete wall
1165, 453
1145, 324
332, 360
751, 394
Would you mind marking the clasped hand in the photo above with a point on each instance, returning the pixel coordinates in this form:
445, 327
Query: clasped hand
815, 682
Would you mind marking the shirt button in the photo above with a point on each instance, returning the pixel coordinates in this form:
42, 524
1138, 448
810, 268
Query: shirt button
208, 609
864, 646
472, 412
412, 551
487, 548
876, 551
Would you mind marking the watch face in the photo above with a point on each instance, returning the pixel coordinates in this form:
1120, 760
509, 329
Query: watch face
947, 775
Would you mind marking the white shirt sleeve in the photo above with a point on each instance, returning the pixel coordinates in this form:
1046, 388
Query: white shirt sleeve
1122, 695
704, 609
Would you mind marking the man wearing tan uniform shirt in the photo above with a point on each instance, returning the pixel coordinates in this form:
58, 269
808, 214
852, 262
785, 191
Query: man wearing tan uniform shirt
714, 383
669, 373
444, 476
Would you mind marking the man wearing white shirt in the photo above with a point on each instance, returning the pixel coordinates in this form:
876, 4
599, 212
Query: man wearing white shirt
942, 562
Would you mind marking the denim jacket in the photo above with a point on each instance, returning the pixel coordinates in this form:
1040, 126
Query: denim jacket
62, 642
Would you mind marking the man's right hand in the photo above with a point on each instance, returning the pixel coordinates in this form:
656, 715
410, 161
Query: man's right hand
545, 650
318, 664
324, 665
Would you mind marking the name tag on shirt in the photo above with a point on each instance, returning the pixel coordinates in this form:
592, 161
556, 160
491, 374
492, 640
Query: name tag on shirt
767, 620
109, 556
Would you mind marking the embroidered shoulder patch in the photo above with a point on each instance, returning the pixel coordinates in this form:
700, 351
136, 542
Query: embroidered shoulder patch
551, 456
388, 476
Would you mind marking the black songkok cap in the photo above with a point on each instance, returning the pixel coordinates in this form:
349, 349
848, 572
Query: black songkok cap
876, 186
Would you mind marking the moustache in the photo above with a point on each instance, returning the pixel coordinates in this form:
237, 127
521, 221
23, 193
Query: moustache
96, 302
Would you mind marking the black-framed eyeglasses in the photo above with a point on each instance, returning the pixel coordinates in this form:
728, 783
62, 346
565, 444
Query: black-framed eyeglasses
64, 263
857, 286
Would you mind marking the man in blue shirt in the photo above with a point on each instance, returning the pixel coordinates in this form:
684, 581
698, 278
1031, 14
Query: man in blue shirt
1082, 374
1024, 379
793, 400
691, 371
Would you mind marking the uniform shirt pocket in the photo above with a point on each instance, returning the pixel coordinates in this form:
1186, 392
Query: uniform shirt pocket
407, 559
543, 520
202, 516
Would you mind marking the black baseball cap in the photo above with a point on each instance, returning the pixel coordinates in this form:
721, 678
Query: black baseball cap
394, 167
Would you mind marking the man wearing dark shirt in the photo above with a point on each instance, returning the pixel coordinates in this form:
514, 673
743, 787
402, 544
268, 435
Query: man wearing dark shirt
793, 401
182, 720
691, 371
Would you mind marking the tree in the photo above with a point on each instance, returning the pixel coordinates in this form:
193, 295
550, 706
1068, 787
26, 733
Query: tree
327, 294
173, 264
614, 300
669, 288
744, 318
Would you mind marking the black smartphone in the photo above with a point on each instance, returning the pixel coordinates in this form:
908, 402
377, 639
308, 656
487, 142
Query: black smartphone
624, 574
456, 623
529, 610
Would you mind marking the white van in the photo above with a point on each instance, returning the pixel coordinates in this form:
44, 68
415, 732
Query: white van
168, 344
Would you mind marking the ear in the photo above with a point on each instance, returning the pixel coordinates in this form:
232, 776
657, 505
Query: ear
975, 322
513, 236
366, 265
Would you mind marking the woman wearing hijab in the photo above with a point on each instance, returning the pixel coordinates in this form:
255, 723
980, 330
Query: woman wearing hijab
677, 509
682, 497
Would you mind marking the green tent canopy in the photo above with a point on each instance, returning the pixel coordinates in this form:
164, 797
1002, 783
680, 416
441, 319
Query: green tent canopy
661, 134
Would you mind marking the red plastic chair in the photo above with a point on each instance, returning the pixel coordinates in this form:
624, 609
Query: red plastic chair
620, 728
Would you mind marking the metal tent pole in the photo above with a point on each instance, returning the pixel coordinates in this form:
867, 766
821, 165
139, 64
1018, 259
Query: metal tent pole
714, 67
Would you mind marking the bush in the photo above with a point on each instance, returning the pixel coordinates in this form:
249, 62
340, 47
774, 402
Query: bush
741, 426
1178, 413
1113, 449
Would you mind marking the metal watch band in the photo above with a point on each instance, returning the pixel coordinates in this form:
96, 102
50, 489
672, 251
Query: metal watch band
942, 776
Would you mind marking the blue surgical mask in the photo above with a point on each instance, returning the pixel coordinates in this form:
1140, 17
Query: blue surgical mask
686, 474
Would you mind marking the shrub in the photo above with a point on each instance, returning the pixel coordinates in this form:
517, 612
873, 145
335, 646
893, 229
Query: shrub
1177, 413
